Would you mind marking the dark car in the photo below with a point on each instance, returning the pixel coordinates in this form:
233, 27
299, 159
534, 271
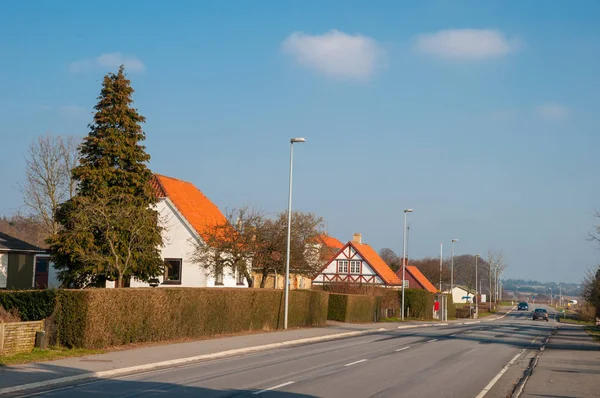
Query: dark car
540, 313
523, 306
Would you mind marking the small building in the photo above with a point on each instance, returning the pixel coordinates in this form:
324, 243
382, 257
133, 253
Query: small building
21, 264
461, 294
415, 279
357, 263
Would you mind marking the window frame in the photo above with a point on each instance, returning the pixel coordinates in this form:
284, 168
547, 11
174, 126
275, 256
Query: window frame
165, 274
356, 263
220, 278
346, 263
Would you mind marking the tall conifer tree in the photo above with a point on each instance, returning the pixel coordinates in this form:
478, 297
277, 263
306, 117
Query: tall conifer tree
110, 228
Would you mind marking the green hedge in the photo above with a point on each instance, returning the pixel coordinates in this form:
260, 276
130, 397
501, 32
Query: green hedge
32, 305
99, 318
451, 307
418, 303
352, 307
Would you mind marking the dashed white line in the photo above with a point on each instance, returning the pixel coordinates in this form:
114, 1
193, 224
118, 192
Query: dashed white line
431, 341
354, 363
453, 335
402, 349
498, 376
274, 387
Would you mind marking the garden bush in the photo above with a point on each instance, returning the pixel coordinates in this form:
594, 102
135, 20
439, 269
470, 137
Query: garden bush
98, 318
418, 303
352, 307
30, 305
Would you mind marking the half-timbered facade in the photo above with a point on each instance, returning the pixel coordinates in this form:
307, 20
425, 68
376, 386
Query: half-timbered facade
357, 263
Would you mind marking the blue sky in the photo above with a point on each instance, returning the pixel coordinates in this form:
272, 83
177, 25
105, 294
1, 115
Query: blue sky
481, 116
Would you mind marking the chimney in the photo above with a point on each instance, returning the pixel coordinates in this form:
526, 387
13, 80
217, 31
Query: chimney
357, 238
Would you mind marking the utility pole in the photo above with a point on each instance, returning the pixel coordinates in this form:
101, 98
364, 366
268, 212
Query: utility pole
441, 261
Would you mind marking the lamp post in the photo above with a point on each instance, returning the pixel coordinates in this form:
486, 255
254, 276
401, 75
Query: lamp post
452, 266
517, 292
476, 305
289, 234
441, 261
404, 258
491, 263
550, 296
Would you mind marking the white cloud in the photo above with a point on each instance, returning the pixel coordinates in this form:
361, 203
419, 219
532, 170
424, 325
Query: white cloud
336, 54
466, 44
552, 111
108, 61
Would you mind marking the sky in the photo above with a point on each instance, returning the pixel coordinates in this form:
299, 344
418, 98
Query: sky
481, 116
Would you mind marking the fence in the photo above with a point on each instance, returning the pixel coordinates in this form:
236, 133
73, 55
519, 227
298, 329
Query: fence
18, 336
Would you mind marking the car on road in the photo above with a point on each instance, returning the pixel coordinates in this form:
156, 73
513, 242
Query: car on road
523, 306
540, 313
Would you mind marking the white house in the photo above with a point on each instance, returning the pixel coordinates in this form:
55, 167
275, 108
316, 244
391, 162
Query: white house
460, 294
358, 263
186, 214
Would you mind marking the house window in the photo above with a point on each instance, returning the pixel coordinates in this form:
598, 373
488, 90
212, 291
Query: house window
302, 283
41, 264
240, 278
219, 278
172, 271
342, 267
406, 284
355, 267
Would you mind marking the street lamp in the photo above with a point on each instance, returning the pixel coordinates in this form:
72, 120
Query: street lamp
517, 292
550, 296
289, 234
476, 305
452, 266
404, 258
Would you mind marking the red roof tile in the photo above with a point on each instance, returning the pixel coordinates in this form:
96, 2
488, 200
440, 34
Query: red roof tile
377, 263
422, 279
330, 241
197, 209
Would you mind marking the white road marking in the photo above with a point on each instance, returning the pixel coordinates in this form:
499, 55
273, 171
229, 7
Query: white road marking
274, 387
431, 341
354, 363
402, 349
453, 335
498, 376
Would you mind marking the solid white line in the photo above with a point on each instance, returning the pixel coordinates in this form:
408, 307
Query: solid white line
274, 387
354, 363
182, 361
431, 341
402, 349
498, 376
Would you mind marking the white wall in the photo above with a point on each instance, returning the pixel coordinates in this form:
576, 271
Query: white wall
3, 270
458, 294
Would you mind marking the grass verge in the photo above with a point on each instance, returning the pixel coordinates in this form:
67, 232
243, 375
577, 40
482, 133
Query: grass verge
51, 354
574, 321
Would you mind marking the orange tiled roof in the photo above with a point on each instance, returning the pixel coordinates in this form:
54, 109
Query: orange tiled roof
422, 279
330, 241
377, 263
198, 210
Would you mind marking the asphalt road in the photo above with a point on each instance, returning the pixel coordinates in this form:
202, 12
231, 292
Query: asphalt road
447, 361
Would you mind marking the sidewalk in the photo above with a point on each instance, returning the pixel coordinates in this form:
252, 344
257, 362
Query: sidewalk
161, 355
568, 367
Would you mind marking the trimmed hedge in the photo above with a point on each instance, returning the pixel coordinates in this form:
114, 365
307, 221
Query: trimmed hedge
31, 305
98, 318
451, 307
419, 302
352, 307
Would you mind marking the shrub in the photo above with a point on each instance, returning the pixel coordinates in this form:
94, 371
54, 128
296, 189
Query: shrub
31, 305
352, 308
463, 312
109, 317
9, 316
451, 307
418, 303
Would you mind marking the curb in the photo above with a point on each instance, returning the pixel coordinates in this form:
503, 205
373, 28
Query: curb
183, 361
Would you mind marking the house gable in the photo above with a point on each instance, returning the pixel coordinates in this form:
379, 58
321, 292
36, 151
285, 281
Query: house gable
348, 266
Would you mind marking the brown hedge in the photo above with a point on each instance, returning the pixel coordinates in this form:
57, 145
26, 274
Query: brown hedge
99, 318
352, 307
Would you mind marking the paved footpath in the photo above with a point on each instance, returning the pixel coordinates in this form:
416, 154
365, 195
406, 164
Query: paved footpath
569, 366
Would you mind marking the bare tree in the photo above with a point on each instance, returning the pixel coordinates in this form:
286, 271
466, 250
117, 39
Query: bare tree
248, 241
498, 265
591, 289
48, 182
391, 258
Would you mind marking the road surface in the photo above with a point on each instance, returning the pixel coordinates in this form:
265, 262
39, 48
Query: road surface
446, 361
